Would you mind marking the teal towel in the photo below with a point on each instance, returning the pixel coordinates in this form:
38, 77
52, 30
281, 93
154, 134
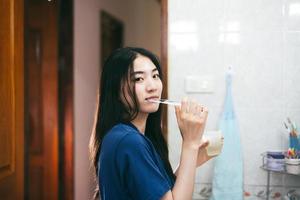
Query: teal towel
228, 170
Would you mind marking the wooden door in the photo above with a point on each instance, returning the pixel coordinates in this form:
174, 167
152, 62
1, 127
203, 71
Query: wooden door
11, 100
41, 100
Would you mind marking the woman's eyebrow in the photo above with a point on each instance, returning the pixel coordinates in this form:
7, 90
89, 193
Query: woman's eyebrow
142, 72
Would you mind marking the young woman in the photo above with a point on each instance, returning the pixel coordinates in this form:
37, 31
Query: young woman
128, 150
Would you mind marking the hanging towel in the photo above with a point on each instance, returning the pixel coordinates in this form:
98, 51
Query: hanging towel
228, 170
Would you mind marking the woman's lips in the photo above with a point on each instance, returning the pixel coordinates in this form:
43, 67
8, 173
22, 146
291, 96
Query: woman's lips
152, 98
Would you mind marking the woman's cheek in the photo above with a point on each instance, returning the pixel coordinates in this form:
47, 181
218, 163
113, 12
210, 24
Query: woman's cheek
139, 92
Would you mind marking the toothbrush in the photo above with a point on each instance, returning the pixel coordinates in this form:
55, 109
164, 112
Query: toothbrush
293, 125
165, 101
295, 129
287, 128
290, 122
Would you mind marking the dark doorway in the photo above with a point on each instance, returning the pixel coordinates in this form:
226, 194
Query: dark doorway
111, 35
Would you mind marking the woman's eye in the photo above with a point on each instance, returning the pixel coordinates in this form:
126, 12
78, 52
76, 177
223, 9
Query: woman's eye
137, 79
156, 76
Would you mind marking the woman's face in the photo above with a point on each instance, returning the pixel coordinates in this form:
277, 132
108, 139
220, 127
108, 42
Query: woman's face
147, 82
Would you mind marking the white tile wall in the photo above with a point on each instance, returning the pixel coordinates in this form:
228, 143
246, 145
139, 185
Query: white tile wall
260, 39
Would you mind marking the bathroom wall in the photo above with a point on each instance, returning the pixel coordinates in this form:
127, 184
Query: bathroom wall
142, 28
260, 39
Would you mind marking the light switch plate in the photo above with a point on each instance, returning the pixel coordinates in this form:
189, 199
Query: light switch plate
199, 84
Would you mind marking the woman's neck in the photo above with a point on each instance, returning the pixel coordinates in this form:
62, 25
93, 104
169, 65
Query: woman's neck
140, 122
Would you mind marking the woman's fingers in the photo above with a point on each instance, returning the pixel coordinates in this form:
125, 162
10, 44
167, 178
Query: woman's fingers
193, 106
191, 118
177, 112
184, 105
190, 108
199, 109
204, 112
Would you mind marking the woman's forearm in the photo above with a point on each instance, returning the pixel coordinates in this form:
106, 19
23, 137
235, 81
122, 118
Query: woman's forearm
191, 119
201, 159
184, 185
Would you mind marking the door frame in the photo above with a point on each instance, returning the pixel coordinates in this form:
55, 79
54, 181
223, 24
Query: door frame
66, 98
164, 62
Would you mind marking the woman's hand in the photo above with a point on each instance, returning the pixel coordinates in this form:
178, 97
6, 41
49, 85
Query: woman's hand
191, 119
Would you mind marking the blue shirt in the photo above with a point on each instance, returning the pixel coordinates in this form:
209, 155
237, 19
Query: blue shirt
130, 167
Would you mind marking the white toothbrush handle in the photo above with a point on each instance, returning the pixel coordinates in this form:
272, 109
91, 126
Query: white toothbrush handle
166, 101
174, 103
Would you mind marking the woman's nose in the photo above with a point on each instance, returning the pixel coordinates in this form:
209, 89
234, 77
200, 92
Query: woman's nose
151, 85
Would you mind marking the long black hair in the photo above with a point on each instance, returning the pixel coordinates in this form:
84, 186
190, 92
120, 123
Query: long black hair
112, 110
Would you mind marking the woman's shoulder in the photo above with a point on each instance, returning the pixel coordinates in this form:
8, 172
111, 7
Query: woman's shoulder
123, 138
121, 131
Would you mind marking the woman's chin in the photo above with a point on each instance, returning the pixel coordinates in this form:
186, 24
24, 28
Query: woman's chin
151, 110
